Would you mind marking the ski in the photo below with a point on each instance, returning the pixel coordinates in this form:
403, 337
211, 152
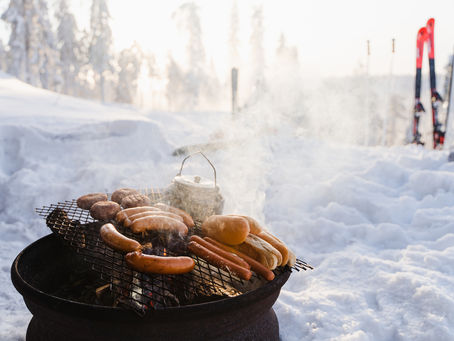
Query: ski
436, 100
448, 91
418, 109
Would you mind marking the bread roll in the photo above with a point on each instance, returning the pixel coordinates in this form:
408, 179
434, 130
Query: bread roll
231, 230
260, 250
277, 244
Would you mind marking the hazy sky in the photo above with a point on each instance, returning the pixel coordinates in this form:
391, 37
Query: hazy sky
330, 35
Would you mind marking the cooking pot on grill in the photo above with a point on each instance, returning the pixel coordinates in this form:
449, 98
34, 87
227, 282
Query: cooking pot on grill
199, 196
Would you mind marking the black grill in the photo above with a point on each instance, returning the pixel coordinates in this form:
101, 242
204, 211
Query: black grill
139, 291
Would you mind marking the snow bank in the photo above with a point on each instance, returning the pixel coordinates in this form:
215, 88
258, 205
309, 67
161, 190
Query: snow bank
376, 223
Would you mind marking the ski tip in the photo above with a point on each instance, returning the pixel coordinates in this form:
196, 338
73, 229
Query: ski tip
431, 22
422, 34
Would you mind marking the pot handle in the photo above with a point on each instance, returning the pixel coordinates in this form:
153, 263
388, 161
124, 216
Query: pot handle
199, 152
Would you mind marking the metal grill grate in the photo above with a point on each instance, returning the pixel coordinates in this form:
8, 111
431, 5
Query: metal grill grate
140, 291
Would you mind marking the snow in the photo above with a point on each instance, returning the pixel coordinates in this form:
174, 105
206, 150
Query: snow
376, 223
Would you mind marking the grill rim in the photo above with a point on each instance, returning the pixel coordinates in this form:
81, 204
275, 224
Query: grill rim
29, 292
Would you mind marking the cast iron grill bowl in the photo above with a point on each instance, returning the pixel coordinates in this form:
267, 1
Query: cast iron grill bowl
206, 304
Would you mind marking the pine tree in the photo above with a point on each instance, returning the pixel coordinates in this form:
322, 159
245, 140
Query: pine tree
257, 52
129, 62
188, 19
175, 85
234, 41
16, 16
2, 57
69, 47
31, 44
47, 52
100, 43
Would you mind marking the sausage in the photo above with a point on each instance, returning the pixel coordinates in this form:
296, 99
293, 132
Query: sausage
216, 260
87, 200
122, 215
159, 264
256, 266
226, 254
187, 219
278, 245
160, 223
133, 217
231, 230
116, 240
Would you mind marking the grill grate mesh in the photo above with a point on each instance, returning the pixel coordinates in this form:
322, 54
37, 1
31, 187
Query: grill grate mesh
139, 291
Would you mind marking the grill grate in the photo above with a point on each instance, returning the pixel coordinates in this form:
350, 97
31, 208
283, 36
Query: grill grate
140, 291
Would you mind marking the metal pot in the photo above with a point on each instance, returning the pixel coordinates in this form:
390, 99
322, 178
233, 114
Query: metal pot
198, 196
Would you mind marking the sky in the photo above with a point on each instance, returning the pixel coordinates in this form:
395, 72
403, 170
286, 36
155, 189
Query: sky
331, 36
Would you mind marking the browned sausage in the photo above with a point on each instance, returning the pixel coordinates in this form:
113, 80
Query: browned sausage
216, 260
186, 217
116, 240
256, 266
122, 215
226, 254
159, 223
158, 264
133, 217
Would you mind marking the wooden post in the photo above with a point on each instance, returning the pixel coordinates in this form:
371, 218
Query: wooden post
234, 91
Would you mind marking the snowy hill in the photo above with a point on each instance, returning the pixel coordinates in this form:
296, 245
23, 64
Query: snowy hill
377, 223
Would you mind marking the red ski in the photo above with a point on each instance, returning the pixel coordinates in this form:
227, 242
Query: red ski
418, 109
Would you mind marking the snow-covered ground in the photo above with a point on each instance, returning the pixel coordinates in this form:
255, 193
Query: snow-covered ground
377, 223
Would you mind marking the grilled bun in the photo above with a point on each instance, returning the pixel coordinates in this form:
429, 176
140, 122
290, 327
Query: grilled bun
260, 250
230, 230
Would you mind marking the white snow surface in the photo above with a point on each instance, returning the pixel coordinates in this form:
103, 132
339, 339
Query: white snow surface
376, 223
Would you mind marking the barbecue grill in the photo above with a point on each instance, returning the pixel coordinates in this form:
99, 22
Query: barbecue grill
118, 303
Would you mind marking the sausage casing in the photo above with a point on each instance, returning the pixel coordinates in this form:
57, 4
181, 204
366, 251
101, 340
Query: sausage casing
158, 264
187, 219
256, 266
223, 253
128, 222
116, 240
158, 223
219, 261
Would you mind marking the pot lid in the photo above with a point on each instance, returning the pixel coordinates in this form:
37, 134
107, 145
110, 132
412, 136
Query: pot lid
195, 181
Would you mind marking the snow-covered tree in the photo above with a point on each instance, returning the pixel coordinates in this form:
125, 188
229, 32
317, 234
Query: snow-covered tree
256, 45
176, 86
69, 48
234, 41
188, 20
18, 17
48, 55
31, 44
2, 57
129, 62
100, 43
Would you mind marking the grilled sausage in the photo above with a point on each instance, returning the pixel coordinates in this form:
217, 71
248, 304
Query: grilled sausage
121, 193
87, 200
116, 240
158, 264
256, 266
122, 215
104, 210
187, 219
216, 260
226, 254
159, 223
128, 222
